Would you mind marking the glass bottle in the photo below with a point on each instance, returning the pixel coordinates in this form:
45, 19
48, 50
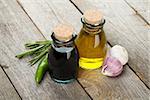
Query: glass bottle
91, 42
63, 56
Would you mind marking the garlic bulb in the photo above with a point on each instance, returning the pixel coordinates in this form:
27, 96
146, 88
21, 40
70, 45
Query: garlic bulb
112, 67
120, 53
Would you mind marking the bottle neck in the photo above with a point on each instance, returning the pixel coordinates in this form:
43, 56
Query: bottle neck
61, 46
93, 29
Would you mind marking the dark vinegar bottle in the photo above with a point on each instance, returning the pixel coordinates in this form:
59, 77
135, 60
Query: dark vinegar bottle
63, 56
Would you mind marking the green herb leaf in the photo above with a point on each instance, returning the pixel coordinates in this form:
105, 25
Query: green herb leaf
29, 52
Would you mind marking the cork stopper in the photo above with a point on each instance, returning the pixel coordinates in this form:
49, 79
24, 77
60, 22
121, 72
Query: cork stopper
93, 16
63, 32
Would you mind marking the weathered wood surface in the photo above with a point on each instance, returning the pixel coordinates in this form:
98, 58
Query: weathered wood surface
126, 28
127, 86
7, 91
48, 16
142, 7
16, 29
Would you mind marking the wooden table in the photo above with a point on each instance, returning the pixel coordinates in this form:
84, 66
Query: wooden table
25, 21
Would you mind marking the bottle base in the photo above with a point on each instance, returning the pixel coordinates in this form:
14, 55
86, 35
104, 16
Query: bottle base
62, 81
90, 63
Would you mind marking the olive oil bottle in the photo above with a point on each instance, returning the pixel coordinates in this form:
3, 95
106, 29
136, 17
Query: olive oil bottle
63, 56
91, 42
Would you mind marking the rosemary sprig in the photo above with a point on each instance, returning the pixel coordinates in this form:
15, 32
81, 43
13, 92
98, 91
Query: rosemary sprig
37, 43
37, 49
29, 52
40, 55
37, 58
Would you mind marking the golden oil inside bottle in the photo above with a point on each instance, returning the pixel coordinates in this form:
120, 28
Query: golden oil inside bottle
91, 43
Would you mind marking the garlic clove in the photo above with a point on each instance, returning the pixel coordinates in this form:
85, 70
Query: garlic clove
120, 53
112, 67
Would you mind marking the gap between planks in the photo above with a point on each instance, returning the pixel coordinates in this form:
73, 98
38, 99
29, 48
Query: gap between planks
30, 18
136, 11
111, 45
10, 80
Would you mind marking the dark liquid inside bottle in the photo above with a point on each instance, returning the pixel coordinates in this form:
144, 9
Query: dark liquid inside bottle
63, 65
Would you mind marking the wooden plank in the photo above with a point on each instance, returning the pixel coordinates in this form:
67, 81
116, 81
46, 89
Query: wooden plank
124, 27
17, 29
142, 7
127, 86
7, 91
47, 17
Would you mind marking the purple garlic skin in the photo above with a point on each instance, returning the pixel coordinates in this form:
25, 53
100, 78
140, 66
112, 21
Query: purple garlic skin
112, 67
120, 53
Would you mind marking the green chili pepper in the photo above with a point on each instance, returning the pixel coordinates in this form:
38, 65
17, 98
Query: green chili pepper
41, 70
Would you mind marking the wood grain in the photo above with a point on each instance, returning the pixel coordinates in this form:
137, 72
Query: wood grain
126, 28
16, 29
48, 15
7, 91
127, 86
142, 7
